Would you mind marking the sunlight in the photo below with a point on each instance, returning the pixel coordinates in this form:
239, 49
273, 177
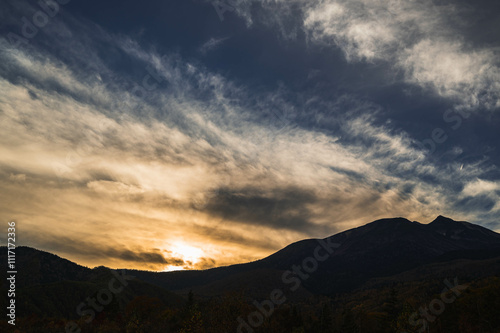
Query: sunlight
180, 249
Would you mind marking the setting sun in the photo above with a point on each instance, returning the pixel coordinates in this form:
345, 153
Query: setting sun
180, 249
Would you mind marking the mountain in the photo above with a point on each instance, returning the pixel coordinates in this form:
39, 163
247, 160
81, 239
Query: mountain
469, 235
364, 268
40, 267
48, 285
381, 248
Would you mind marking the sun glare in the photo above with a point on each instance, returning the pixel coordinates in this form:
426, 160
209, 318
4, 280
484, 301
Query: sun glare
180, 249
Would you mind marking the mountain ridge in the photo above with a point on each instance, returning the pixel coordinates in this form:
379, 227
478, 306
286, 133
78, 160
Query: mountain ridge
380, 248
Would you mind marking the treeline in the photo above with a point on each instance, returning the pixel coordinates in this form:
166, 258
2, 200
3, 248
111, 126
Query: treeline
391, 309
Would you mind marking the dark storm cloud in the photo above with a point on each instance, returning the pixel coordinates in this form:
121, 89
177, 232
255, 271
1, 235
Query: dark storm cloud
217, 232
280, 209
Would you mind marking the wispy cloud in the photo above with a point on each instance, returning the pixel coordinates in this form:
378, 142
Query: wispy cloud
418, 37
212, 44
423, 40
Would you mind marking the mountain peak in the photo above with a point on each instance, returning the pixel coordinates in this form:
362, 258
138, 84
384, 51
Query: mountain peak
442, 219
390, 221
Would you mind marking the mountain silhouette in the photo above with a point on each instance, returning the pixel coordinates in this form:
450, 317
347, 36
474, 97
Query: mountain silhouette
362, 255
381, 248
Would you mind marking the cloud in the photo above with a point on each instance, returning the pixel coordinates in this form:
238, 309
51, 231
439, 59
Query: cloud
212, 44
205, 263
418, 38
471, 77
276, 208
18, 178
480, 186
88, 250
424, 41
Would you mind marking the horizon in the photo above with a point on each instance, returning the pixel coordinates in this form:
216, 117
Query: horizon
174, 269
185, 135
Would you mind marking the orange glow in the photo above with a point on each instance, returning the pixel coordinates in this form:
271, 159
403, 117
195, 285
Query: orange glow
180, 249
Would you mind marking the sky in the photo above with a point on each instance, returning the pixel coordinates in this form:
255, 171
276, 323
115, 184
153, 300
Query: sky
190, 134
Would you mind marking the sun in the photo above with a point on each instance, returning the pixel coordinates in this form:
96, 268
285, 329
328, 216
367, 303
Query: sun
184, 251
